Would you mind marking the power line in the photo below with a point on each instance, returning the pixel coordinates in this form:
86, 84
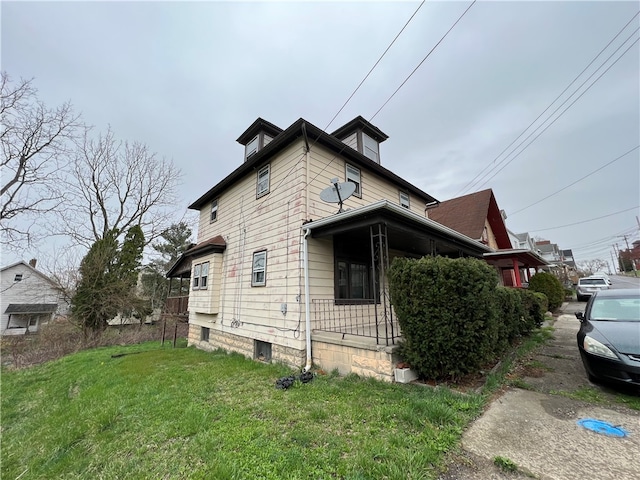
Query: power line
344, 105
375, 65
583, 221
577, 181
558, 117
551, 104
401, 85
423, 60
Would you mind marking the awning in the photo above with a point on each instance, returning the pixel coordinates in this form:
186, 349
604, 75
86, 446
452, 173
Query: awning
524, 257
407, 231
30, 308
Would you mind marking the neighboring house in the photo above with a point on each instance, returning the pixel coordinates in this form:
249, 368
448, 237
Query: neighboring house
278, 275
29, 299
478, 216
523, 241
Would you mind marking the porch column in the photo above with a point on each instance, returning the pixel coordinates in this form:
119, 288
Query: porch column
516, 270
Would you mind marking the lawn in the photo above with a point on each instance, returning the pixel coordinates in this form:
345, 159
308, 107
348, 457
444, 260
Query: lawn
159, 412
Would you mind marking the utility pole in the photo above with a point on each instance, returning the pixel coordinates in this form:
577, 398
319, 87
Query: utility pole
613, 262
631, 259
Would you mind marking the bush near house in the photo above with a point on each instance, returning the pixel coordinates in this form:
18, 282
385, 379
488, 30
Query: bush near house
548, 284
447, 312
454, 316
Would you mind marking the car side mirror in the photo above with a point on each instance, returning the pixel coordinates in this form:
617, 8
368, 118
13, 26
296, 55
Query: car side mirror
580, 316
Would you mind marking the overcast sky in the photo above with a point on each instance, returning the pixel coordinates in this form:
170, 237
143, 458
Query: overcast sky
188, 78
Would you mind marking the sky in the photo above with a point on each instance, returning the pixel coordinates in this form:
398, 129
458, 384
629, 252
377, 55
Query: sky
188, 78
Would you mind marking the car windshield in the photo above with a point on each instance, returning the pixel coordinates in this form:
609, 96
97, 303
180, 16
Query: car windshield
620, 309
592, 281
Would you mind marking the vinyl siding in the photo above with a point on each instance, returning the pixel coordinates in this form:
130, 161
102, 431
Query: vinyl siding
33, 288
274, 223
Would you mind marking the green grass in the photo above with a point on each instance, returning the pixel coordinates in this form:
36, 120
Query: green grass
184, 413
595, 395
505, 464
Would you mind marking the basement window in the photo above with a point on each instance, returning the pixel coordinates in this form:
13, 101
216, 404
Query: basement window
204, 334
262, 351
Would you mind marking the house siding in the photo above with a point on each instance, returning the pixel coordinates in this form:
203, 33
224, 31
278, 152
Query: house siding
33, 288
274, 223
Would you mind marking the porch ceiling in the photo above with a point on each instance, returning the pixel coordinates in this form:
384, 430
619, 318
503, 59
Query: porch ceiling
406, 231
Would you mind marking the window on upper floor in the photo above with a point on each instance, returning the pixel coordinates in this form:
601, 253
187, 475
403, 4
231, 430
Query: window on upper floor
252, 147
259, 269
404, 199
352, 174
214, 210
200, 276
370, 148
18, 277
262, 186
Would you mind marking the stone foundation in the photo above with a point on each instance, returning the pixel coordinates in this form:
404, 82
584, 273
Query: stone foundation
354, 356
292, 357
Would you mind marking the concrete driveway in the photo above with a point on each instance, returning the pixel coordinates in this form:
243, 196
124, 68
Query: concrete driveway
537, 428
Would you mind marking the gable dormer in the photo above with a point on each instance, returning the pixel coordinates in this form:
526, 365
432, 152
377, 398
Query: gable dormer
257, 136
363, 137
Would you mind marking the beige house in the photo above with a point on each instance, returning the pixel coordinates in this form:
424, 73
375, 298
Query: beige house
278, 274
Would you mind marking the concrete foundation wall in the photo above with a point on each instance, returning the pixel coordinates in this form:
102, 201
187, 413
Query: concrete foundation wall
375, 361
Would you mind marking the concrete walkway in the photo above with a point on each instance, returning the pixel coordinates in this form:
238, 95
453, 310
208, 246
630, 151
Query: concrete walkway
538, 430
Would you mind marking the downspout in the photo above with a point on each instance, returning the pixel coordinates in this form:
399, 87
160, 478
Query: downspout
307, 309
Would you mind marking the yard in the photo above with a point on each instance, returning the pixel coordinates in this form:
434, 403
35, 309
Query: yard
146, 411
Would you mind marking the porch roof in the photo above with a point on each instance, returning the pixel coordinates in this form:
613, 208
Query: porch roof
524, 257
407, 230
26, 308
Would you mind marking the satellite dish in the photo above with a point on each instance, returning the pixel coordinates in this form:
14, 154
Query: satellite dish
338, 192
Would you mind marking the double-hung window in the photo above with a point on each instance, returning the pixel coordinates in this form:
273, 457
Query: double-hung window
214, 210
200, 276
251, 147
404, 199
352, 174
18, 277
262, 187
370, 148
259, 269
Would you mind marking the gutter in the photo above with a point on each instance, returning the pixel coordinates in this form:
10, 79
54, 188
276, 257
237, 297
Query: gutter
307, 309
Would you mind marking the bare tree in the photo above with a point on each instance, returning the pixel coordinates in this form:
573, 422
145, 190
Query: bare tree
589, 267
35, 144
118, 185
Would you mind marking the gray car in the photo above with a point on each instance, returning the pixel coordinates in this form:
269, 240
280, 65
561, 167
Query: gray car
587, 286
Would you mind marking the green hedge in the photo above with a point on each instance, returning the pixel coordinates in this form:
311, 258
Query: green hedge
548, 284
447, 313
453, 315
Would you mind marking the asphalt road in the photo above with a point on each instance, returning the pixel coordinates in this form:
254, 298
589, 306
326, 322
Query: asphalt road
537, 427
619, 281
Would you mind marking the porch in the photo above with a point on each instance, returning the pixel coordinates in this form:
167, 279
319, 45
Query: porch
356, 330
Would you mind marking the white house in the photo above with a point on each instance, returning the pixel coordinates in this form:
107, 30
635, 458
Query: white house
28, 299
280, 274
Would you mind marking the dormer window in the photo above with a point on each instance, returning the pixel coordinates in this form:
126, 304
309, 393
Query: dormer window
363, 137
251, 147
257, 136
370, 148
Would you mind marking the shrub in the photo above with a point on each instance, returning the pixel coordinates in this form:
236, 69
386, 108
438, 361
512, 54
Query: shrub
548, 284
534, 305
512, 312
448, 313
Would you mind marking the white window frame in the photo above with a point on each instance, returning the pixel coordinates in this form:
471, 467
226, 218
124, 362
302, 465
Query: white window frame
214, 211
252, 147
256, 271
200, 276
404, 196
262, 184
370, 148
353, 174
18, 277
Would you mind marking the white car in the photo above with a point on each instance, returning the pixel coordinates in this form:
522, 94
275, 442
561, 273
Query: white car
602, 275
587, 286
